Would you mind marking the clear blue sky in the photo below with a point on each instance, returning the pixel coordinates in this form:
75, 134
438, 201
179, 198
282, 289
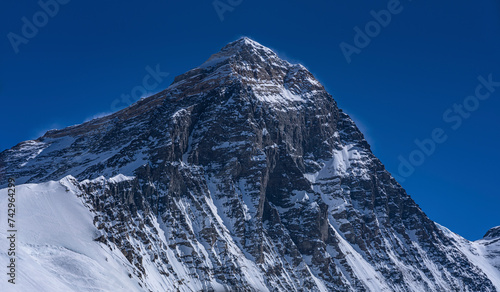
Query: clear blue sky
425, 60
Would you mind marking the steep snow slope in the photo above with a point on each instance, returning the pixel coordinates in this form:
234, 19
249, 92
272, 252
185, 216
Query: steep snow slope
56, 250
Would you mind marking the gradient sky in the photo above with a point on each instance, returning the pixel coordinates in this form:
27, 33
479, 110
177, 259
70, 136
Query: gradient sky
425, 60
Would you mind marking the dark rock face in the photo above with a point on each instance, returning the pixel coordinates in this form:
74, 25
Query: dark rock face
493, 233
246, 165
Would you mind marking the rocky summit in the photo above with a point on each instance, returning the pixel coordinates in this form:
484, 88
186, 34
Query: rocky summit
243, 175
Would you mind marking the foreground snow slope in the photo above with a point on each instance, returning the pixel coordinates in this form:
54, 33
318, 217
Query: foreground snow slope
56, 250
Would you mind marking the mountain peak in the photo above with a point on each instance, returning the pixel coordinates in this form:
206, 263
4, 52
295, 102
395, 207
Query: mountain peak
249, 63
243, 49
246, 42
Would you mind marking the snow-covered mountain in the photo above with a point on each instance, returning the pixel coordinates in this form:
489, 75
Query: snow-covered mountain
243, 175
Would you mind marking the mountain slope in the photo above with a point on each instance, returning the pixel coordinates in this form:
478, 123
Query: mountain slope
248, 177
56, 251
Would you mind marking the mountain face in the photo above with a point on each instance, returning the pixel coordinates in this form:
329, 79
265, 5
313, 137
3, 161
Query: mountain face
243, 175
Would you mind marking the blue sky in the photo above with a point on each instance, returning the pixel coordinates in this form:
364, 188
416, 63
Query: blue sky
81, 60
